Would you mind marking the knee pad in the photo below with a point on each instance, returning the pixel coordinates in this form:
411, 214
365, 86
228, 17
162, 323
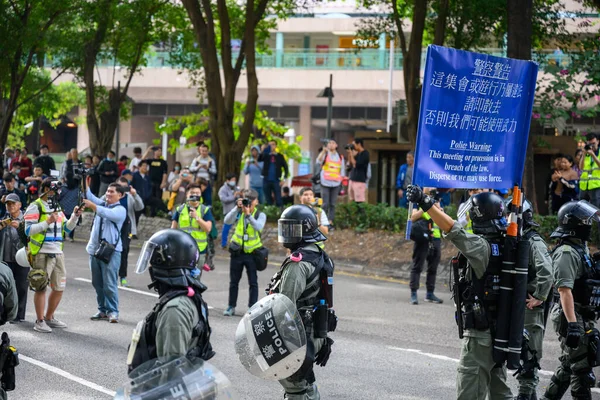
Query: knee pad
38, 280
586, 377
557, 389
582, 394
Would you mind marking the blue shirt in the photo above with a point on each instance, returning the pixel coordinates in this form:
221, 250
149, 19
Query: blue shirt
255, 172
112, 217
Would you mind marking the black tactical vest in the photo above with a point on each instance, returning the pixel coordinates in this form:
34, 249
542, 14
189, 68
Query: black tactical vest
146, 348
585, 287
480, 295
319, 285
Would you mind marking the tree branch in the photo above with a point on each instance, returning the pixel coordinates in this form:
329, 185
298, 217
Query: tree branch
46, 86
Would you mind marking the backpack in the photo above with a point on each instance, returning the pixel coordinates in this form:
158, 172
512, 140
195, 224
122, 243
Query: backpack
421, 231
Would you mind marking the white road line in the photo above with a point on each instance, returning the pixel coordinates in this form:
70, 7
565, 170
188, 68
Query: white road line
445, 358
67, 375
130, 290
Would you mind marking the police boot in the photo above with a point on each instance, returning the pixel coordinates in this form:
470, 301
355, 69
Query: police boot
523, 396
557, 389
582, 394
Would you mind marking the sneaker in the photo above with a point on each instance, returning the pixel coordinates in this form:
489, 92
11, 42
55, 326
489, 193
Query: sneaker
99, 316
413, 298
229, 312
124, 282
41, 326
113, 318
432, 298
55, 323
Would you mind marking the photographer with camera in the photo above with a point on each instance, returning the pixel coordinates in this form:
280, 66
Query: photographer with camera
46, 226
589, 182
228, 194
427, 247
194, 218
357, 186
249, 224
332, 172
105, 247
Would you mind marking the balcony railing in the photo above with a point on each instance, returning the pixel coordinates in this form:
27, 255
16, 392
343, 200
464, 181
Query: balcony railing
340, 59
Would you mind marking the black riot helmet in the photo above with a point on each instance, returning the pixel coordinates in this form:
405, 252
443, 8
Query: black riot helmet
298, 226
528, 221
487, 214
575, 220
172, 256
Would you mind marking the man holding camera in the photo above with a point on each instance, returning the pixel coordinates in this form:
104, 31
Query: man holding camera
589, 182
357, 186
46, 226
194, 218
105, 247
249, 223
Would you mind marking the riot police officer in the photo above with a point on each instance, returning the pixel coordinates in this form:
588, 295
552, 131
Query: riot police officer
538, 290
306, 277
178, 324
477, 371
573, 313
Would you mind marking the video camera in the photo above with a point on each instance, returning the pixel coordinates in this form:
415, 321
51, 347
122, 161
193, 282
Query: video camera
79, 170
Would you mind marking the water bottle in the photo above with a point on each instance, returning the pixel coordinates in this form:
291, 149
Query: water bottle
320, 316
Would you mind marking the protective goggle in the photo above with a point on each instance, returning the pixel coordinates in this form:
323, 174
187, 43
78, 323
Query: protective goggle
289, 231
145, 256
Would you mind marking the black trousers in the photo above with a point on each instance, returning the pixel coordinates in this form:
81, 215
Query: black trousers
429, 252
236, 267
124, 255
20, 275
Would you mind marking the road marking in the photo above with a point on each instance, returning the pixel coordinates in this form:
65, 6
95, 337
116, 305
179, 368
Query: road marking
145, 293
67, 375
445, 358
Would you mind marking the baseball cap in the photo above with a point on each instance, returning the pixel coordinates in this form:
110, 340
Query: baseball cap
13, 197
126, 171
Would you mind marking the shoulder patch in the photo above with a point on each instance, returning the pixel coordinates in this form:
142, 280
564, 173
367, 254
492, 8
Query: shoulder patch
495, 249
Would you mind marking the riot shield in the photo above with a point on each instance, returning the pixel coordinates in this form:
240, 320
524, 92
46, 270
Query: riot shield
175, 378
270, 340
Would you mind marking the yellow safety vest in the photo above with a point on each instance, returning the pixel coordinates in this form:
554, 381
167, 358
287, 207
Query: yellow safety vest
191, 226
332, 170
37, 241
252, 240
590, 177
437, 233
317, 211
469, 227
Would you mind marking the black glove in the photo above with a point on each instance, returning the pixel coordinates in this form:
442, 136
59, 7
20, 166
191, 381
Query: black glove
322, 356
415, 194
573, 335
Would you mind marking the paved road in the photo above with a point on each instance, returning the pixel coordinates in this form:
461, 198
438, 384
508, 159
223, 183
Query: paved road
384, 347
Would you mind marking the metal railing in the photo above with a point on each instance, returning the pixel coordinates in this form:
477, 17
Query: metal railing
339, 59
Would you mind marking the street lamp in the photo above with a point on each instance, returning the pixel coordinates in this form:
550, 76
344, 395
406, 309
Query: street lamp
328, 92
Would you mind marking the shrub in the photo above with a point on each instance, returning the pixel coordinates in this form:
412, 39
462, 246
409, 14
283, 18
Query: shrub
272, 212
370, 216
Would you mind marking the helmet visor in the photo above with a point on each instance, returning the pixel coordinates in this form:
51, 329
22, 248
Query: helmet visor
145, 256
289, 231
586, 212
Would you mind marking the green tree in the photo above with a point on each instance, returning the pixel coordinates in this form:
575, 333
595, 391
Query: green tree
121, 32
215, 24
197, 124
29, 29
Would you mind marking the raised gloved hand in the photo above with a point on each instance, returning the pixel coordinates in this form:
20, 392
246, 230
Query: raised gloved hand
415, 194
573, 335
322, 356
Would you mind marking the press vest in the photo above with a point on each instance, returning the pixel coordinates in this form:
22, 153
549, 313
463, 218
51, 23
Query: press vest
469, 227
590, 177
146, 348
332, 170
37, 241
191, 226
437, 233
252, 241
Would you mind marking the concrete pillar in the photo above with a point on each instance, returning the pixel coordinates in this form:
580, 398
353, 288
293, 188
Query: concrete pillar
279, 49
382, 50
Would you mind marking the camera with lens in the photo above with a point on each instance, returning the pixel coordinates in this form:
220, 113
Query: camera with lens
349, 146
194, 198
79, 170
587, 147
246, 202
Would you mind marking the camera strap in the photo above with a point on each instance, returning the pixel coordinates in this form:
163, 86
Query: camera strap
102, 226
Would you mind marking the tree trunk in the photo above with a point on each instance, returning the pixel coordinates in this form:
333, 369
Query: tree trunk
412, 68
440, 23
519, 31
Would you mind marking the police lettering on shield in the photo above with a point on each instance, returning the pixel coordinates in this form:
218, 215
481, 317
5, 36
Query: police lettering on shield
268, 338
